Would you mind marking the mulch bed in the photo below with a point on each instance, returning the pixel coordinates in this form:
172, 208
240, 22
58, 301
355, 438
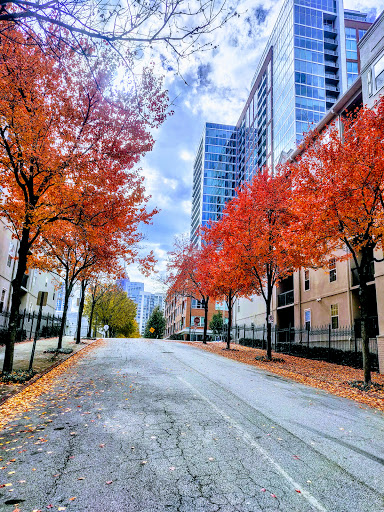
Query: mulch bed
336, 379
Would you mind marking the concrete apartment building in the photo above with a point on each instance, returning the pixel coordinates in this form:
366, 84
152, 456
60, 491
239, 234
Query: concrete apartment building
33, 282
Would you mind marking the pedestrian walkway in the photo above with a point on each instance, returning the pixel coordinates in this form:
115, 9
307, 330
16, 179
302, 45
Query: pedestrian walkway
42, 359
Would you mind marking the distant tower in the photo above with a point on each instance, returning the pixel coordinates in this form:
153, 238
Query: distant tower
213, 175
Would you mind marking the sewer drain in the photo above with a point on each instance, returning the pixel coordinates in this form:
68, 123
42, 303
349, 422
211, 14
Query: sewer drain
13, 502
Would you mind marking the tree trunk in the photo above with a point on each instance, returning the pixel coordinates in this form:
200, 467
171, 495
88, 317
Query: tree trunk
93, 305
95, 328
81, 309
229, 304
89, 333
205, 320
16, 301
68, 291
269, 328
363, 296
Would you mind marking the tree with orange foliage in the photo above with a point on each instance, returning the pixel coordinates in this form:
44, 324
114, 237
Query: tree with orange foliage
68, 144
253, 234
224, 277
78, 252
187, 276
338, 197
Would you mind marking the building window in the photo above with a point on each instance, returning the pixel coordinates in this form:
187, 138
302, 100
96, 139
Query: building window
332, 270
334, 316
306, 280
2, 300
370, 83
196, 304
307, 319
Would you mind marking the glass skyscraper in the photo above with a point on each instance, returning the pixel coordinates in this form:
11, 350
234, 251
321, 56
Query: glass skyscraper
214, 175
310, 60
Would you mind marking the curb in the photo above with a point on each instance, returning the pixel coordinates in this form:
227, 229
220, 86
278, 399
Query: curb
40, 375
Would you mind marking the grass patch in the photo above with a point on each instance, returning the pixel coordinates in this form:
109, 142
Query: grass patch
58, 351
17, 376
359, 384
264, 359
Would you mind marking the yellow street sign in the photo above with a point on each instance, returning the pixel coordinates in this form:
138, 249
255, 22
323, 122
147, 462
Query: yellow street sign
151, 329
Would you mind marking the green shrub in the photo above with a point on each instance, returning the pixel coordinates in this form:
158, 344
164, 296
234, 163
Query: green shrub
17, 376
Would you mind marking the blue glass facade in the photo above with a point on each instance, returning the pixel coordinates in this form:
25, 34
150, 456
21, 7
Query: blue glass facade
213, 175
302, 73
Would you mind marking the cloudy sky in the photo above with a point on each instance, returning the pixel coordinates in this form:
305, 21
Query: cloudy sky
215, 87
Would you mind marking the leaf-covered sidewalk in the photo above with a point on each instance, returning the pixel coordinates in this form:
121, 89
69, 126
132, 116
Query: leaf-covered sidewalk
319, 374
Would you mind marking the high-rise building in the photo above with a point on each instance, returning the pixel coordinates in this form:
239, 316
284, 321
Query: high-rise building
145, 301
309, 61
213, 175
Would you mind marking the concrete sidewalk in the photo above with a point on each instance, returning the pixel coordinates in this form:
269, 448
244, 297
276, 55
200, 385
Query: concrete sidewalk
42, 361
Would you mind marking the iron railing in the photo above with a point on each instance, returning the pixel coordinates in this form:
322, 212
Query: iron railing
342, 345
27, 323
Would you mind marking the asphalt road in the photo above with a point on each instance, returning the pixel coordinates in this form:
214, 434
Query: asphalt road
159, 426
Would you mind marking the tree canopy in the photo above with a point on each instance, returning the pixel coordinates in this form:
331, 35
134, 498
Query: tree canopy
69, 141
115, 309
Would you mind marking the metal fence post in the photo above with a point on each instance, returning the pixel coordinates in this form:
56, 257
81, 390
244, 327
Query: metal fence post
307, 338
329, 341
30, 332
22, 321
289, 337
244, 331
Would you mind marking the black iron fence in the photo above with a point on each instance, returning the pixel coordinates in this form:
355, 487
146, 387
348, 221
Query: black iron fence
341, 346
27, 323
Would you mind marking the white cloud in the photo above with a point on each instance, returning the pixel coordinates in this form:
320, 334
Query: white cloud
186, 155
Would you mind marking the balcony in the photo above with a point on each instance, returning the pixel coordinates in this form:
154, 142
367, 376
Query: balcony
285, 299
330, 52
329, 31
332, 88
332, 76
330, 42
331, 64
355, 275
